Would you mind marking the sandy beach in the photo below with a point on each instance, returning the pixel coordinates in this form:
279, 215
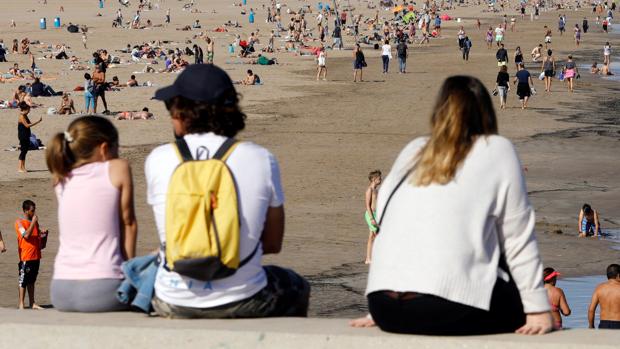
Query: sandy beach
327, 135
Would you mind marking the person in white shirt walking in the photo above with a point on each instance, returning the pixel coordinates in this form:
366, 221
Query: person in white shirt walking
386, 55
321, 67
456, 253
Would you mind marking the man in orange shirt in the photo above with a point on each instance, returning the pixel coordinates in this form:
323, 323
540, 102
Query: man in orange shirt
30, 241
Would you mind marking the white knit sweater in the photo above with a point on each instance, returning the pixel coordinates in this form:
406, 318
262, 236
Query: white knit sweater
446, 240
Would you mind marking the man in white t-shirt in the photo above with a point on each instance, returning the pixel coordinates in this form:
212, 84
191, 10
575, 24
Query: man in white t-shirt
203, 105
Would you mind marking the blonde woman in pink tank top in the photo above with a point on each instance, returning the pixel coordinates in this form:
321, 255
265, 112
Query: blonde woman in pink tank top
96, 216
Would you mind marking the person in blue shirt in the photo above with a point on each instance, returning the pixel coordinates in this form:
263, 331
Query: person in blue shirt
524, 82
438, 25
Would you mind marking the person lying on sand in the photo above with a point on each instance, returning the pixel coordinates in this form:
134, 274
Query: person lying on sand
15, 71
595, 69
136, 115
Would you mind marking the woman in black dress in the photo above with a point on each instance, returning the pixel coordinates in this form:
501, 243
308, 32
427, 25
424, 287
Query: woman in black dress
23, 134
359, 63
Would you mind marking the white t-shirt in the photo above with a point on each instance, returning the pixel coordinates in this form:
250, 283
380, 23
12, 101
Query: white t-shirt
257, 175
499, 31
606, 50
321, 58
386, 50
446, 240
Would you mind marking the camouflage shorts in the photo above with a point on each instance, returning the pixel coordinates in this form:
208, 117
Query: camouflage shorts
286, 294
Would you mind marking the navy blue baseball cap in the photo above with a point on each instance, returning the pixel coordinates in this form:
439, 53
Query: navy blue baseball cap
201, 83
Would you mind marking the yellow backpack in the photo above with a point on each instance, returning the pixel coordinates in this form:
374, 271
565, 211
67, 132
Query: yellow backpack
202, 216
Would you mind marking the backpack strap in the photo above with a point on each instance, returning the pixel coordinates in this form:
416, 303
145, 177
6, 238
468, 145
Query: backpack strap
184, 153
225, 149
402, 180
248, 258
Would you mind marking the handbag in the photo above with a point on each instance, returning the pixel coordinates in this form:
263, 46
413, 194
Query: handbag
494, 92
364, 64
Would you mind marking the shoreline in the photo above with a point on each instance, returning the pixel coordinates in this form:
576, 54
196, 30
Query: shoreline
328, 135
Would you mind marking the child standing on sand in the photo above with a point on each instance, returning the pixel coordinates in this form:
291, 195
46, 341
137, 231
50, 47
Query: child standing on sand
371, 202
30, 240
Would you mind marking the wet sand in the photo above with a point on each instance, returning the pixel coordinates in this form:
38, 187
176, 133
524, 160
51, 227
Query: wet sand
329, 135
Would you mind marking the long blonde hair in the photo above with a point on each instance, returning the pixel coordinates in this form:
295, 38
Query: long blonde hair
463, 112
78, 143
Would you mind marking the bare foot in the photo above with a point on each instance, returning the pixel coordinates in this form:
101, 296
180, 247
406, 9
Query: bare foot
36, 307
367, 261
20, 307
22, 171
363, 322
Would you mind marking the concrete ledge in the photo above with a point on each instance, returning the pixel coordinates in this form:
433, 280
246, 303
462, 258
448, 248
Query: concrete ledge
53, 329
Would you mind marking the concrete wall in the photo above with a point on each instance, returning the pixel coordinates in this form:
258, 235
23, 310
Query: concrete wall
52, 329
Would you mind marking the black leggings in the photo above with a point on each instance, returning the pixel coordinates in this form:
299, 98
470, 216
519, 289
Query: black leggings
23, 149
431, 315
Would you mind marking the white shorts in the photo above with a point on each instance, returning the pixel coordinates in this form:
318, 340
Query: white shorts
547, 39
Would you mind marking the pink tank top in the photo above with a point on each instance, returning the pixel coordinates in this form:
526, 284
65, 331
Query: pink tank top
89, 224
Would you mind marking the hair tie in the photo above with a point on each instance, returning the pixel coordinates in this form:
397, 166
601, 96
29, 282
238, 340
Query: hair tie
68, 137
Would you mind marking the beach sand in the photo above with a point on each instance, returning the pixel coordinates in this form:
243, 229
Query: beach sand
327, 136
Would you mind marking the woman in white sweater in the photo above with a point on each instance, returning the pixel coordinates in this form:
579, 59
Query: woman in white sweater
456, 252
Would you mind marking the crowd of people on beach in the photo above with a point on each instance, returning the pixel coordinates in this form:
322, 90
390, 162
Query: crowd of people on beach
482, 272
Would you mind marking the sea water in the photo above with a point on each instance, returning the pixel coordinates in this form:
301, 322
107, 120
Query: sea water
578, 290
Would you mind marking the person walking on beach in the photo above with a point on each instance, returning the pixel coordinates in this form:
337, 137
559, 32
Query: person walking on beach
386, 55
337, 35
489, 38
561, 24
607, 295
502, 85
210, 49
501, 55
606, 53
548, 34
98, 79
206, 117
90, 93
23, 134
577, 35
557, 299
31, 239
518, 58
466, 48
95, 236
403, 54
359, 63
198, 55
588, 223
374, 179
432, 276
585, 25
499, 35
524, 82
84, 39
571, 72
321, 64
548, 69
